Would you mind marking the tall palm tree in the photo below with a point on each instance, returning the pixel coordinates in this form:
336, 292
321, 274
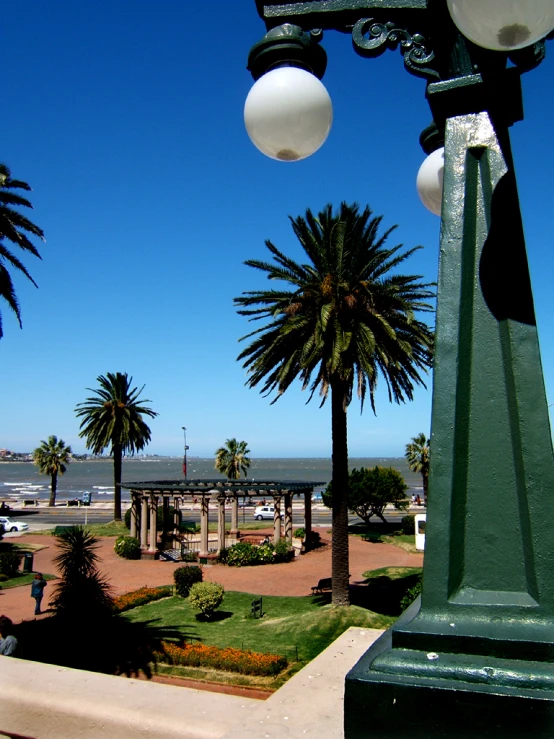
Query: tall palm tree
344, 321
231, 459
13, 226
51, 458
114, 418
417, 456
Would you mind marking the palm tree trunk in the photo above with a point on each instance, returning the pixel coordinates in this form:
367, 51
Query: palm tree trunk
339, 555
117, 450
53, 488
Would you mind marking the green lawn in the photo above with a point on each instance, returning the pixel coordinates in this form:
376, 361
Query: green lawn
298, 627
22, 578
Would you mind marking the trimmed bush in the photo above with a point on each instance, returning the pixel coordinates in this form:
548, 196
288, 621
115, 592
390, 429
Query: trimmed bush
206, 597
185, 578
299, 533
127, 547
9, 563
282, 551
141, 597
242, 661
408, 525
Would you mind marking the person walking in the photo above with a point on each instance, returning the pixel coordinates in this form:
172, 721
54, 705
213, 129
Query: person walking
37, 591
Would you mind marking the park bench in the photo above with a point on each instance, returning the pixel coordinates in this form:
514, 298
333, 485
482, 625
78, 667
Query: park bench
27, 502
257, 608
323, 584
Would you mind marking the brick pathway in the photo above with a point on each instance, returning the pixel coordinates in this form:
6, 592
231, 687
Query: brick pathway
294, 578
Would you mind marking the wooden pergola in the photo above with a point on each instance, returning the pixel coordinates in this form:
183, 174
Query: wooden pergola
145, 497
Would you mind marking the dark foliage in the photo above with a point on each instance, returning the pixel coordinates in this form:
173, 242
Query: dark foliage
9, 563
371, 490
185, 577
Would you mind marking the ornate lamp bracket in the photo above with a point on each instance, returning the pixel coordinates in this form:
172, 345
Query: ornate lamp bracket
371, 38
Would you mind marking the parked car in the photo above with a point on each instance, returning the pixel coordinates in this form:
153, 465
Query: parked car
10, 525
265, 511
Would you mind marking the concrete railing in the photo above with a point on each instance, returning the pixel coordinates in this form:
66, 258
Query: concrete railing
39, 701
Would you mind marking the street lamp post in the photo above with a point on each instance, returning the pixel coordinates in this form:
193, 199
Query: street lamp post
185, 457
475, 655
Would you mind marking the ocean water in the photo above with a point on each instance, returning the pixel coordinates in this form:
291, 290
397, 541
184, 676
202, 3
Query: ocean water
20, 480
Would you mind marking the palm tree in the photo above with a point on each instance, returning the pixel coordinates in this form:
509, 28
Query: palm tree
51, 458
231, 459
417, 455
82, 593
114, 418
13, 226
344, 321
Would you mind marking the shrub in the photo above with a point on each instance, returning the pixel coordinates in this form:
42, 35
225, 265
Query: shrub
283, 553
3, 577
410, 596
408, 525
127, 547
9, 563
233, 660
206, 597
299, 533
159, 518
243, 554
140, 597
185, 578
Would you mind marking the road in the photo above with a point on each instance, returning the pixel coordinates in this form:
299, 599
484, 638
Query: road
321, 516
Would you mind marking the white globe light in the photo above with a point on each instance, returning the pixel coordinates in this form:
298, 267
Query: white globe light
429, 181
288, 114
503, 25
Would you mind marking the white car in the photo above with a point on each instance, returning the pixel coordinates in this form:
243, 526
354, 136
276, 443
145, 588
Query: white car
10, 525
265, 511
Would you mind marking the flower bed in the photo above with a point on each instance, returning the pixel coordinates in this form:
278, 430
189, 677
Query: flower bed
140, 597
242, 661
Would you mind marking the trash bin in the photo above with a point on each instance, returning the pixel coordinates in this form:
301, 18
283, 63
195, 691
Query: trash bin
87, 498
28, 562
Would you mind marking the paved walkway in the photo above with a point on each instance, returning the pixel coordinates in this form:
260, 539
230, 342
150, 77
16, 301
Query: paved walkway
294, 578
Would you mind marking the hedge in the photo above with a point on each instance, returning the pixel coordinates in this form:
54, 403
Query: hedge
141, 597
229, 659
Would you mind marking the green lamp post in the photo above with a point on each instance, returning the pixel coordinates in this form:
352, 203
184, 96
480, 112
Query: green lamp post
475, 655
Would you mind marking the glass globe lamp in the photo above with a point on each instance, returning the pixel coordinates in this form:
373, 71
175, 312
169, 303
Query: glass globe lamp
503, 25
429, 181
288, 114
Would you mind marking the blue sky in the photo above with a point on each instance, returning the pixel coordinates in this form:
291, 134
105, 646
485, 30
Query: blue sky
126, 119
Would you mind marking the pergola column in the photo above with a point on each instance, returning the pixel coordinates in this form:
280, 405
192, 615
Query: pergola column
221, 523
134, 515
144, 522
176, 503
277, 519
153, 515
307, 517
204, 506
288, 518
165, 518
235, 516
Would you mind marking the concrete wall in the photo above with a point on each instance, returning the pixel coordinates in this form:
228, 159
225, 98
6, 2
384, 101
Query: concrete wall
39, 701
